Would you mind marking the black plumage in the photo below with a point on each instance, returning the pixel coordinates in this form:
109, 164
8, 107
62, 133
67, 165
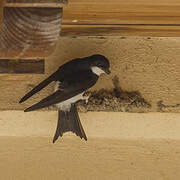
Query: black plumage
73, 78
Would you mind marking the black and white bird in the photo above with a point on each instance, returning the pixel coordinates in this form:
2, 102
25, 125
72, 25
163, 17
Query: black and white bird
72, 80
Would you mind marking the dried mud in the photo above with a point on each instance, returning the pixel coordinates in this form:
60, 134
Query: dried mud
115, 100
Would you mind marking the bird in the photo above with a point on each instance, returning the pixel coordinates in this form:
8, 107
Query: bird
72, 80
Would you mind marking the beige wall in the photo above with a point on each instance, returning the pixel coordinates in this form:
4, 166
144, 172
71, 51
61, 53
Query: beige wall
120, 145
141, 146
149, 66
128, 146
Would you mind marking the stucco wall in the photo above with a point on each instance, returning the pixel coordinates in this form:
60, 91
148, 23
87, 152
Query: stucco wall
137, 146
120, 145
149, 66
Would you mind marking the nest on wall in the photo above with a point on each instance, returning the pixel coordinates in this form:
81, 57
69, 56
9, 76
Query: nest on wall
115, 100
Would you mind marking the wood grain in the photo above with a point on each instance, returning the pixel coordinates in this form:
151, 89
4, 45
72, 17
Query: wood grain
22, 66
1, 12
36, 3
29, 32
119, 17
122, 12
44, 5
120, 30
29, 28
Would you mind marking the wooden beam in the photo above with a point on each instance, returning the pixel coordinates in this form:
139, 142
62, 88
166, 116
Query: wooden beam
36, 3
22, 66
118, 12
44, 5
121, 30
29, 28
119, 17
1, 12
26, 32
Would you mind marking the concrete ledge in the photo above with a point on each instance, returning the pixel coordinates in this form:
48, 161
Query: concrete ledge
136, 146
111, 125
25, 158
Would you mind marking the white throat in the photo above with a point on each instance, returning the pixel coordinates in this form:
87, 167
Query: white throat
96, 70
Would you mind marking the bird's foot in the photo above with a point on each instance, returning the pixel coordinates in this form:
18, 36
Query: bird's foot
86, 96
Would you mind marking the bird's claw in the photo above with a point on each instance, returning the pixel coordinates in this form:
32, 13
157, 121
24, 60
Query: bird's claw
86, 96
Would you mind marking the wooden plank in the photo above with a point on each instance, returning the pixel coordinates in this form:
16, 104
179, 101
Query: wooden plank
36, 3
119, 17
33, 2
22, 66
45, 5
1, 12
122, 12
120, 30
3, 66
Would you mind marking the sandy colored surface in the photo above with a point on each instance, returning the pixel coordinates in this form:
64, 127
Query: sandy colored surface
149, 66
36, 158
128, 146
113, 125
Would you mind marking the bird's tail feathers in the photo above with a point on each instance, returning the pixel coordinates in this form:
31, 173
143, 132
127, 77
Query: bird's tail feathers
69, 121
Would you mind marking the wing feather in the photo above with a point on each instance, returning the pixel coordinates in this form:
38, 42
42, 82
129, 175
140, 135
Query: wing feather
39, 87
68, 91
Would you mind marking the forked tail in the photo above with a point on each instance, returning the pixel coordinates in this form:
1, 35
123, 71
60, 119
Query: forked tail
69, 121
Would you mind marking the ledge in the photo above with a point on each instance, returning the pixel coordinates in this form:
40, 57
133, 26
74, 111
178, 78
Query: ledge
109, 125
120, 146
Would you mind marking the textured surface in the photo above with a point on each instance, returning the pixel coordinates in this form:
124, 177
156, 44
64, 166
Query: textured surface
122, 12
22, 66
36, 3
108, 125
121, 30
119, 17
37, 158
26, 32
149, 66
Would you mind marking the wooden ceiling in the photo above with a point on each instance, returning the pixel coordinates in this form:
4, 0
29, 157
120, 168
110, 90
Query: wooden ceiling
122, 17
30, 28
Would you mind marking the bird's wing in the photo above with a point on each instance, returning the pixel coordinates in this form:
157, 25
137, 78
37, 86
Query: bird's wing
39, 86
75, 87
62, 72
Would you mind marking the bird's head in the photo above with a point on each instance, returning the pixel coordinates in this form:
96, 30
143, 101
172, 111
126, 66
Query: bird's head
99, 64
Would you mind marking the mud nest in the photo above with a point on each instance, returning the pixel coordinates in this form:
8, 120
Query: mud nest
115, 100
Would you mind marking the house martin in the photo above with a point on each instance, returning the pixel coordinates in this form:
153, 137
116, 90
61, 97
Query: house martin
72, 80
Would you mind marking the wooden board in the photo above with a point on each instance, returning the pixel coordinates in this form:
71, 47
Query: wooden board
22, 66
119, 17
120, 30
122, 12
36, 3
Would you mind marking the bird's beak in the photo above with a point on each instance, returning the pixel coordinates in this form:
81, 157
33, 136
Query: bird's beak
107, 71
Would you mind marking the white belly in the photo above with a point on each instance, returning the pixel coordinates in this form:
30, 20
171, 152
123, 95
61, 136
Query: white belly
66, 105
